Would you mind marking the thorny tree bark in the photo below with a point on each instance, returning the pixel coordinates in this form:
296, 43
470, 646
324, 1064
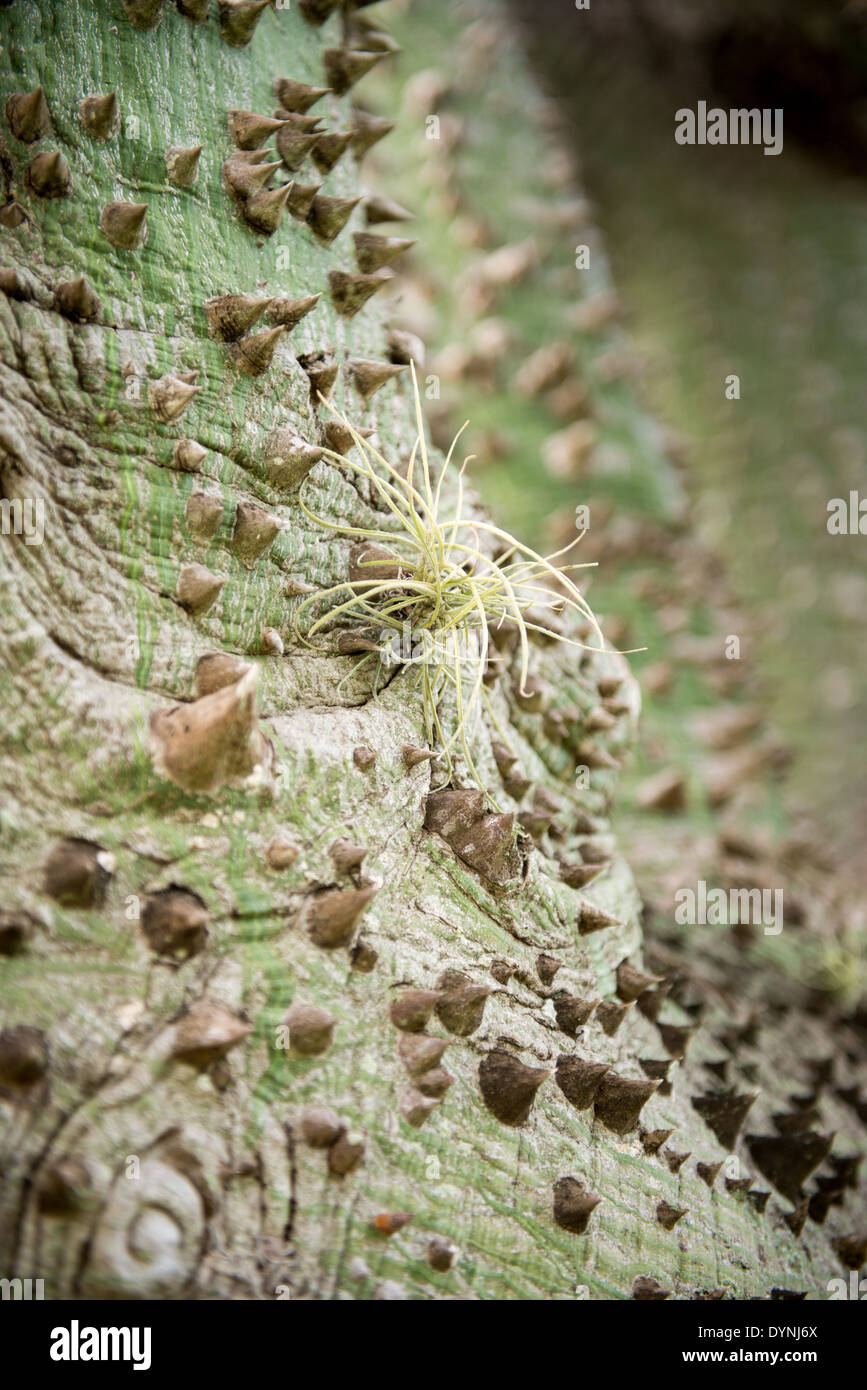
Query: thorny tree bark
237, 940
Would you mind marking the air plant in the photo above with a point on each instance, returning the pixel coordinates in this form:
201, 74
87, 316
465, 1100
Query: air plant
430, 575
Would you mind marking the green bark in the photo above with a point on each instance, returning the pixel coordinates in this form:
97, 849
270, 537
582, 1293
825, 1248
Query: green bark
157, 1126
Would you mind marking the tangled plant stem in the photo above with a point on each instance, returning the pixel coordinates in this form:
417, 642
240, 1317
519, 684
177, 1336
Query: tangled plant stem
434, 579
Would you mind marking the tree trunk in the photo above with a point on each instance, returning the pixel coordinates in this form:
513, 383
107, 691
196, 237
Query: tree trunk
237, 933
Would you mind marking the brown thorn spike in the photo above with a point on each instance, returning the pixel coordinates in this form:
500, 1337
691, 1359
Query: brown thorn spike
346, 1153
281, 851
63, 1187
100, 115
169, 397
378, 209
125, 224
367, 131
796, 1121
852, 1249
579, 1080
758, 1199
547, 967
572, 1013
574, 1204
592, 918
198, 588
230, 316
252, 356
509, 1086
76, 300
287, 459
411, 756
648, 1290
371, 561
709, 1172
675, 1039
441, 1254
416, 1108
77, 872
175, 922
195, 10
579, 875
182, 165
14, 285
657, 1070
293, 146
347, 856
316, 11
452, 811
611, 1015
330, 917
404, 348
254, 532
368, 377
796, 1220
652, 1140
668, 1216
287, 313
346, 66
363, 958
388, 1223
435, 1082
321, 371
724, 1114
213, 740
263, 210
620, 1100
320, 1126
461, 1005
739, 1184
16, 931
419, 1053
491, 849
207, 1032
12, 215
27, 115
674, 1160
311, 1029
632, 982
24, 1055
328, 216
203, 514
651, 1002
788, 1161
144, 14
412, 1011
373, 252
297, 96
301, 200
249, 131
349, 293
366, 34
238, 20
241, 177
49, 175
719, 1068
330, 148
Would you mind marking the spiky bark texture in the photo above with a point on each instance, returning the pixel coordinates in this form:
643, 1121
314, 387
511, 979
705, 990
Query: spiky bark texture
230, 928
